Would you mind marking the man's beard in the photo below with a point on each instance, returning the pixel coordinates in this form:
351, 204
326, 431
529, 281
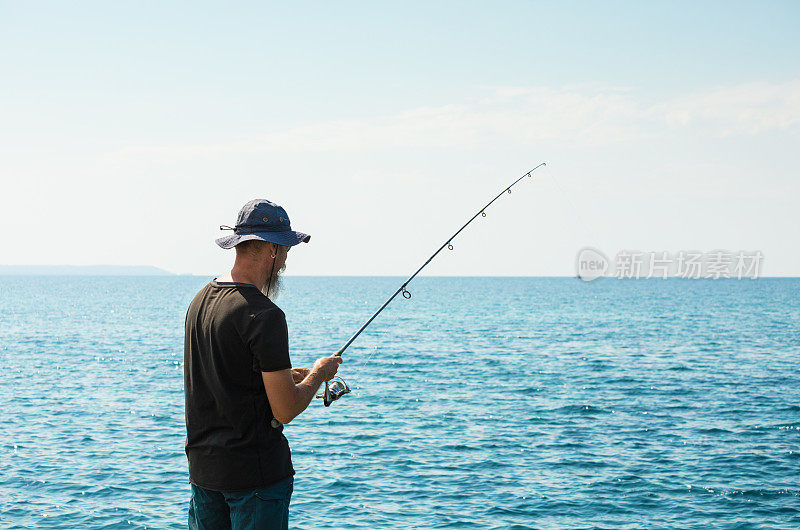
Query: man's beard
274, 287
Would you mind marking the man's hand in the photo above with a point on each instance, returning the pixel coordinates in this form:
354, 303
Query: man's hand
327, 366
298, 374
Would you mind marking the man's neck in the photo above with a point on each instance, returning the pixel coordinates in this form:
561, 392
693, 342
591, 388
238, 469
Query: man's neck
240, 274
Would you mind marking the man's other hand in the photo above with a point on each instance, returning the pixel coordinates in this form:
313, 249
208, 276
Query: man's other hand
298, 374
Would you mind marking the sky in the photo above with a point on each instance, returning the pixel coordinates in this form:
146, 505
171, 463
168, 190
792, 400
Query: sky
132, 130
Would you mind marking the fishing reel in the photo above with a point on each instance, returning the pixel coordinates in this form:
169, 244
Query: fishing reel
334, 389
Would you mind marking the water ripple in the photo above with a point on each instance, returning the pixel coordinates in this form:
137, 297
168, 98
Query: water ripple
544, 403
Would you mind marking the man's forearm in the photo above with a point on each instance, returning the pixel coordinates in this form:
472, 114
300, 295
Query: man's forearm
305, 391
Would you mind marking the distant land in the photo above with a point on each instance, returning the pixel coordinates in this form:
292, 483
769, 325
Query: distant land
82, 270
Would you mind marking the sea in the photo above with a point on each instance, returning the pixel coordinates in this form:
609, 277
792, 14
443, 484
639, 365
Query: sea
506, 403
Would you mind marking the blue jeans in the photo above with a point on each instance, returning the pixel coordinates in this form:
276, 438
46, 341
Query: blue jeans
261, 508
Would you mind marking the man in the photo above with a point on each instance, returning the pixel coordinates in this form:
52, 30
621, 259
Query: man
239, 382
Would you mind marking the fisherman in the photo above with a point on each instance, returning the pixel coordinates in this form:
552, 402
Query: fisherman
239, 382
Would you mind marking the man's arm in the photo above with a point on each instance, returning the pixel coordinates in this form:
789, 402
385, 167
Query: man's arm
288, 399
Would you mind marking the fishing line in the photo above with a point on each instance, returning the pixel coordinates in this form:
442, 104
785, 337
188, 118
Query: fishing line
337, 387
588, 229
360, 369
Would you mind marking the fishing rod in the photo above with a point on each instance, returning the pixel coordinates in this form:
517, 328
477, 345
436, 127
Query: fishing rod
337, 387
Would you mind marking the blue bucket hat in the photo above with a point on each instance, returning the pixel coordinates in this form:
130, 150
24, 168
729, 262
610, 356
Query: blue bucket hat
264, 220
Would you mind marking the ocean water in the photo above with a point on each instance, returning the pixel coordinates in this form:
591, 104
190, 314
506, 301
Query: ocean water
479, 403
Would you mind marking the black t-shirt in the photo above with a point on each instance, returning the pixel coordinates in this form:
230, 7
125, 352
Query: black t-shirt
233, 333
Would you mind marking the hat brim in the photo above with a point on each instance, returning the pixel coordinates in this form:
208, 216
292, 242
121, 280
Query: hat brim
287, 238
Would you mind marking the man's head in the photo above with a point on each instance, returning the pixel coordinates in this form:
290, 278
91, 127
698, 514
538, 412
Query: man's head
262, 237
266, 261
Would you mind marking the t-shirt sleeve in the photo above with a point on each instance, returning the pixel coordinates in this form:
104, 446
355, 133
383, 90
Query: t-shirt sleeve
268, 339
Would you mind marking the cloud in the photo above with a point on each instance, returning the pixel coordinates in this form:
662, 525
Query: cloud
751, 108
531, 115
